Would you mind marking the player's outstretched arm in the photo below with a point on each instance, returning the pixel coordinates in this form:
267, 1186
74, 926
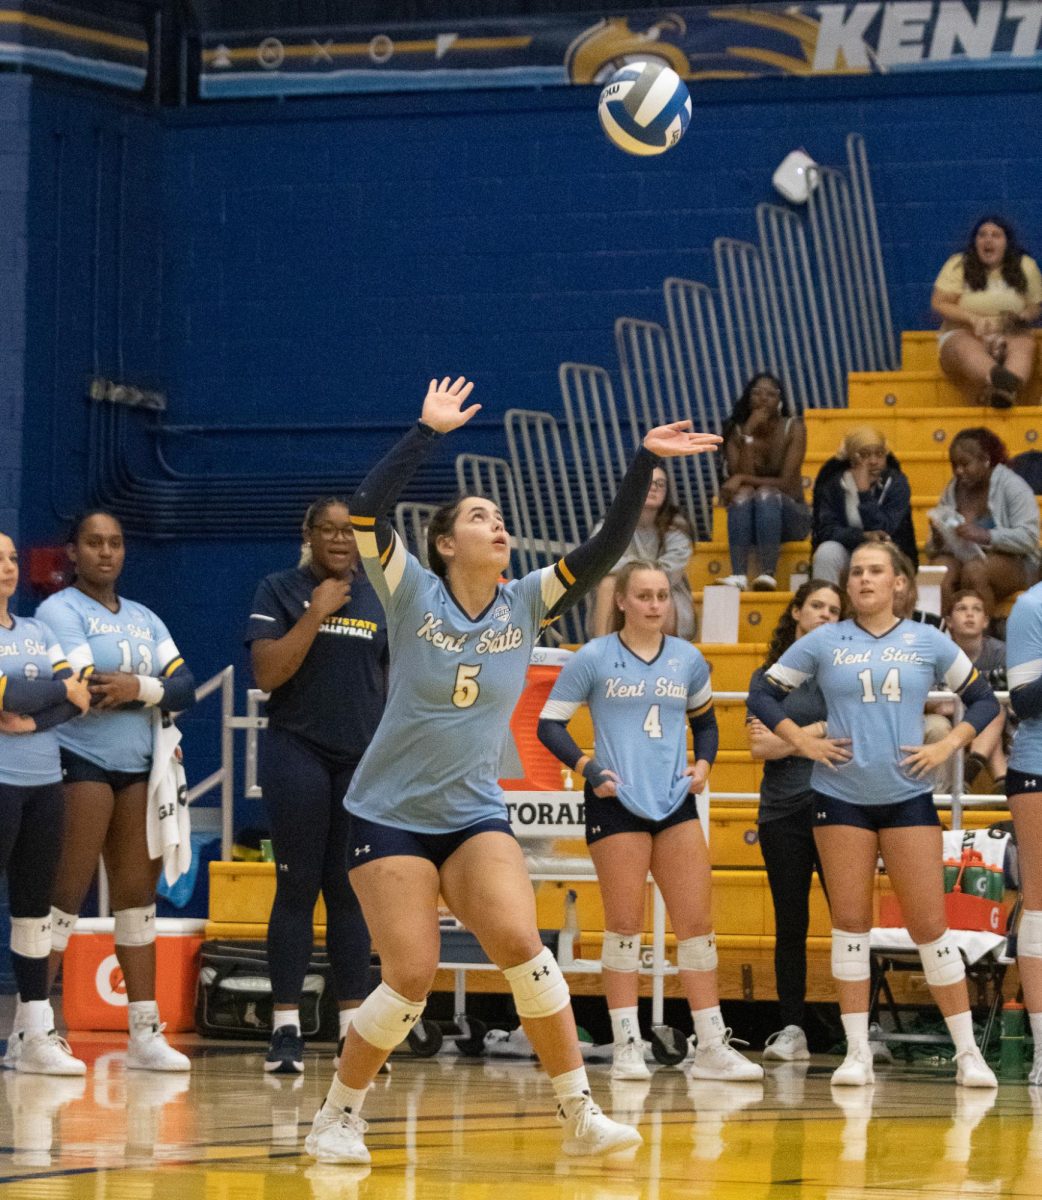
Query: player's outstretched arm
582, 568
679, 440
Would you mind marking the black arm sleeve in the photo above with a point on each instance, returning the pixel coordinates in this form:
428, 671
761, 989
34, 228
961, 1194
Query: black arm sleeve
589, 563
56, 714
178, 690
706, 735
1026, 700
30, 696
379, 490
981, 706
765, 701
555, 737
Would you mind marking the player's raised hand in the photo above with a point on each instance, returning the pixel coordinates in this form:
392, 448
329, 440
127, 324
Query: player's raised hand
443, 407
679, 439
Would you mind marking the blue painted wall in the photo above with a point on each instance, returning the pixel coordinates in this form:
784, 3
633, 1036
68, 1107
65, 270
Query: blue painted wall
319, 261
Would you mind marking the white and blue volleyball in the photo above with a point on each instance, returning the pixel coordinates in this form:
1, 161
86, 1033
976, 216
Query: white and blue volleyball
645, 108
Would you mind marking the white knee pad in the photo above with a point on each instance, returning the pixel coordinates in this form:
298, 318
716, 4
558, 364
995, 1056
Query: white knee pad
942, 962
1029, 934
62, 925
539, 987
31, 936
697, 953
135, 926
850, 957
385, 1019
620, 952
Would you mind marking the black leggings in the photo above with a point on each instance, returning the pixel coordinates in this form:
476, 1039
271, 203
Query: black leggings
30, 844
791, 857
304, 798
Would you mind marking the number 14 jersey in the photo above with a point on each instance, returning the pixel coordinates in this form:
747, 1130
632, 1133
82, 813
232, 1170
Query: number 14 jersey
875, 689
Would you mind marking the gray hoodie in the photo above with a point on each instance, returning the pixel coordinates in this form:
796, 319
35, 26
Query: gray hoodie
1013, 508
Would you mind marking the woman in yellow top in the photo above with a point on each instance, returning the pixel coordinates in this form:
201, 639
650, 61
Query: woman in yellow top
988, 297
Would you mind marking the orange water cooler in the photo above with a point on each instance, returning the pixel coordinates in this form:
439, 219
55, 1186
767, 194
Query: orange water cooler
94, 995
537, 770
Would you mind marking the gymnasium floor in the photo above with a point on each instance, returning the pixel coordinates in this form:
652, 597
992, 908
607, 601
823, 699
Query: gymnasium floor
457, 1128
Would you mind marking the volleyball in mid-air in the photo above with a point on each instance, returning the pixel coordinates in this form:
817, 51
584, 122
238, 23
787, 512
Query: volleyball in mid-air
645, 108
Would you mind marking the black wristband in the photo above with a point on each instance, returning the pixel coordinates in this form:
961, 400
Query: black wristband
595, 774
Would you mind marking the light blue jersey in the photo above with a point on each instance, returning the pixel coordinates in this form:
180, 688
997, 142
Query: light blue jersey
640, 711
435, 761
132, 640
1024, 665
29, 651
875, 690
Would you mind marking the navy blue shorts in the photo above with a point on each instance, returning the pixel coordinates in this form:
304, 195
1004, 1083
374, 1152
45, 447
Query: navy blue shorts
368, 841
919, 810
76, 769
1021, 783
606, 816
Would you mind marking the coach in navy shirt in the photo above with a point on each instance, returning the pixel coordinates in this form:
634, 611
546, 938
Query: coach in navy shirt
318, 642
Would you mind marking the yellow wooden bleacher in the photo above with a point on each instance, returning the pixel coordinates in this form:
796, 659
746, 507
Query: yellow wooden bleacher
919, 412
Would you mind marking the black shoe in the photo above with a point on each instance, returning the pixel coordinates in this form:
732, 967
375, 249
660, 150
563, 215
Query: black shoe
286, 1052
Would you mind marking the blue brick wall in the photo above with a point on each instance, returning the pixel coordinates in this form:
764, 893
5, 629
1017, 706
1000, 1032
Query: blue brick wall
319, 261
14, 176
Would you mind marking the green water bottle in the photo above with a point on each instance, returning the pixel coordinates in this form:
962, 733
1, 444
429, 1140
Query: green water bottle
1011, 1042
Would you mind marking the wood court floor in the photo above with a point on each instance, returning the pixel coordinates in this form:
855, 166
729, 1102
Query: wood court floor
457, 1128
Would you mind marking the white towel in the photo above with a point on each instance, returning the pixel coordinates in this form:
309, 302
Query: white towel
168, 826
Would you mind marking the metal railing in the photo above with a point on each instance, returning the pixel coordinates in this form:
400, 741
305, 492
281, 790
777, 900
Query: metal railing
599, 454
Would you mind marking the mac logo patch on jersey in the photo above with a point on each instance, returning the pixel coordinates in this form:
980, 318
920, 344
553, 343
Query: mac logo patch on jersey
502, 613
673, 664
908, 638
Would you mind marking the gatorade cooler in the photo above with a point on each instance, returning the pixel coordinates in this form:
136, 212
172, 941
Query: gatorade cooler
533, 768
94, 995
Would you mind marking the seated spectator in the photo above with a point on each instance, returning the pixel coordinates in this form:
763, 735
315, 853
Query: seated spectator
862, 489
985, 528
988, 297
662, 537
763, 491
968, 620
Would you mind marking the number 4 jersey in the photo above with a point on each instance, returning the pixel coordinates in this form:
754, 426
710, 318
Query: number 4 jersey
434, 764
132, 640
875, 689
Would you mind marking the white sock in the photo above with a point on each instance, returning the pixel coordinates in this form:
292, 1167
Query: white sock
570, 1087
960, 1026
1036, 1030
341, 1098
142, 1016
855, 1026
624, 1025
281, 1017
345, 1017
36, 1017
709, 1025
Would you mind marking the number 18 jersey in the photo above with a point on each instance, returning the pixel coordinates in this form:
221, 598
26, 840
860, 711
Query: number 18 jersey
875, 689
133, 640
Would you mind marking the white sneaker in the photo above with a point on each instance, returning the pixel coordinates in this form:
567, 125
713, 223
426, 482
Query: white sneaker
856, 1070
765, 583
787, 1045
1035, 1074
48, 1054
722, 1061
627, 1061
337, 1138
736, 581
148, 1050
14, 1050
973, 1071
587, 1131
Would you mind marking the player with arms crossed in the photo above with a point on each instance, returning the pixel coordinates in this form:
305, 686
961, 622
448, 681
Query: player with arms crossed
871, 793
428, 814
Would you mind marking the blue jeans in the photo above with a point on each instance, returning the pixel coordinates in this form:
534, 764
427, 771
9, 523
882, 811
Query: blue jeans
763, 518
